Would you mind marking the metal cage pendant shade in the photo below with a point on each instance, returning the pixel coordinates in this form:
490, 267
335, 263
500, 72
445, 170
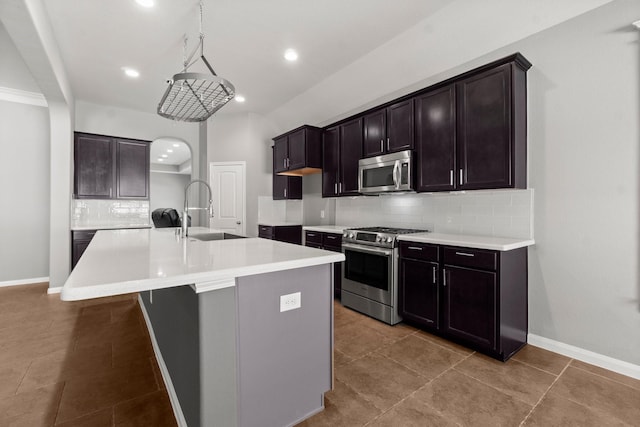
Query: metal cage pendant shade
194, 97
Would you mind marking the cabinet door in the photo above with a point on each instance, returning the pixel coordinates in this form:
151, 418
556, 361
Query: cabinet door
132, 169
94, 167
484, 130
330, 161
286, 187
470, 305
418, 292
297, 150
280, 153
350, 153
436, 140
400, 126
375, 133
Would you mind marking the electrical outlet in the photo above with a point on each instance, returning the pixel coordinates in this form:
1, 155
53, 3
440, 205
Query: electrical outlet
151, 296
321, 214
290, 302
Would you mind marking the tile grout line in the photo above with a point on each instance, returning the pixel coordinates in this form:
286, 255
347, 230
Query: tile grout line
420, 388
604, 377
544, 394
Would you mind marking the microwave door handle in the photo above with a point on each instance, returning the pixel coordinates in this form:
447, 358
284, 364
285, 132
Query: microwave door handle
396, 177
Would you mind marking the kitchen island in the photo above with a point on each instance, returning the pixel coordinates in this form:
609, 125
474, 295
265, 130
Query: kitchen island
242, 328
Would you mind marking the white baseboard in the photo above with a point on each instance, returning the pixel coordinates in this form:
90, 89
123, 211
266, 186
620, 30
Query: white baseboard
24, 281
173, 397
587, 356
56, 290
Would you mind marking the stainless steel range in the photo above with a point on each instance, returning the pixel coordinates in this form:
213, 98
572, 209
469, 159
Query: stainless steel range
370, 271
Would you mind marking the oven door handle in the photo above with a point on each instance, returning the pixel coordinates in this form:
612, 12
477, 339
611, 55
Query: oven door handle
366, 249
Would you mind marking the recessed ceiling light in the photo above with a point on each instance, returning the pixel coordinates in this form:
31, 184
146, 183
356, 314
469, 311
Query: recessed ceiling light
290, 55
146, 3
239, 98
164, 156
161, 160
131, 72
176, 145
169, 150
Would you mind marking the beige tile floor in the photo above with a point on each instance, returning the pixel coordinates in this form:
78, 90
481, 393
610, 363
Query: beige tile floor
90, 363
400, 376
86, 363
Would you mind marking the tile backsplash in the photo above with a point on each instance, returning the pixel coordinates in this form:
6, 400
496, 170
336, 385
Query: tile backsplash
100, 213
275, 211
500, 213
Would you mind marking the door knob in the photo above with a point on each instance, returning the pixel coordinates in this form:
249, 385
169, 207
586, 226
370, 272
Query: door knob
238, 222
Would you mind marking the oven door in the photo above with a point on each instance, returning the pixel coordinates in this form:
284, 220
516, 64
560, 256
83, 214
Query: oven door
368, 272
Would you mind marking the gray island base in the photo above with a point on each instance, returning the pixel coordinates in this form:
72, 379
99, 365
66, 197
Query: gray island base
231, 357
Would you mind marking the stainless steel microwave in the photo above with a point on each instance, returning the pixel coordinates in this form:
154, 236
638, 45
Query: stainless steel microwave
381, 174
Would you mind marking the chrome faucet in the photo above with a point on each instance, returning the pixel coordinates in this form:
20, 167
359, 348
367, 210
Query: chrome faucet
185, 214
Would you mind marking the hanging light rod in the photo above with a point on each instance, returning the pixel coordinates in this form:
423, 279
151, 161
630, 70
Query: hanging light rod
194, 97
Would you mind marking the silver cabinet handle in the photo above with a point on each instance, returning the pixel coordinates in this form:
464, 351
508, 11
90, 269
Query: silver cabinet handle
451, 177
387, 144
335, 188
415, 248
381, 145
284, 163
331, 237
460, 176
340, 188
444, 277
311, 234
285, 193
464, 254
434, 275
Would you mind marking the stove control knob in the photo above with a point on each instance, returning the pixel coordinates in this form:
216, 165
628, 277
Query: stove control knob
345, 235
389, 239
378, 238
351, 236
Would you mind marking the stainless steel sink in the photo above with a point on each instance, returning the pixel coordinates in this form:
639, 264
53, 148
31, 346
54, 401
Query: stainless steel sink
205, 237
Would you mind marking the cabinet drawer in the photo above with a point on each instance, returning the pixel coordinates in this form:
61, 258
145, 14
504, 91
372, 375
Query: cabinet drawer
465, 257
84, 234
332, 242
421, 251
313, 237
265, 231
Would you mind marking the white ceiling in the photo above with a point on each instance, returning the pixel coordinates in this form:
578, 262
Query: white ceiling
245, 41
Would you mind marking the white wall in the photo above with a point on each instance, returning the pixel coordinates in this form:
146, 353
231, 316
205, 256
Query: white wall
24, 174
167, 190
584, 287
245, 137
14, 73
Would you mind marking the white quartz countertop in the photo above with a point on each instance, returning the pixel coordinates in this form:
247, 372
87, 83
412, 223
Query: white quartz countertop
467, 241
109, 227
278, 223
124, 261
336, 229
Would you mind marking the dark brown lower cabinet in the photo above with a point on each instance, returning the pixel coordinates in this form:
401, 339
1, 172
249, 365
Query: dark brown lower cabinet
418, 294
79, 242
469, 305
281, 233
329, 242
475, 297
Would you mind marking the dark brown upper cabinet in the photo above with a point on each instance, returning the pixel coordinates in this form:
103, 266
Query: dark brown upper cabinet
94, 169
110, 168
298, 152
436, 140
471, 132
342, 148
132, 166
285, 187
389, 129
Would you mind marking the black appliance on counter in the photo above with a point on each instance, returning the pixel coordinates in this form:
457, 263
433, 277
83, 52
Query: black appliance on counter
370, 271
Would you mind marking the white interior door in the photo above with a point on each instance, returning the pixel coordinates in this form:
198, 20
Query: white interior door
227, 181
